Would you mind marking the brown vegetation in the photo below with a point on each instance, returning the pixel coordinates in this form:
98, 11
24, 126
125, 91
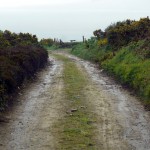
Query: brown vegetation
18, 61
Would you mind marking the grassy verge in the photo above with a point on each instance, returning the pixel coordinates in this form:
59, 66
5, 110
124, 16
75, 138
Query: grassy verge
93, 53
77, 131
130, 65
53, 47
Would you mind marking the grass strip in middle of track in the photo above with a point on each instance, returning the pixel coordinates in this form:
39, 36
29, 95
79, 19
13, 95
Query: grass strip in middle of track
77, 130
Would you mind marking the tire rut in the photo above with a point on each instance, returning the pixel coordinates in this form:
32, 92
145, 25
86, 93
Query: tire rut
38, 108
121, 121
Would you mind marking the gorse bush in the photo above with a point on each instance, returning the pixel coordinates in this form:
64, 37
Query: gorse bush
8, 39
47, 42
18, 61
128, 31
102, 42
125, 54
122, 33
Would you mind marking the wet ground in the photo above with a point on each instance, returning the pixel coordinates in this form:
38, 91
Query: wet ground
38, 107
122, 123
124, 116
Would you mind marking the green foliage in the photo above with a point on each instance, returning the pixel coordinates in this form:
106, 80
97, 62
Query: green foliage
124, 51
8, 39
102, 42
92, 51
131, 69
53, 47
83, 49
76, 132
122, 33
47, 42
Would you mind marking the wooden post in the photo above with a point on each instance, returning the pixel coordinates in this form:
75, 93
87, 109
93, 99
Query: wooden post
83, 39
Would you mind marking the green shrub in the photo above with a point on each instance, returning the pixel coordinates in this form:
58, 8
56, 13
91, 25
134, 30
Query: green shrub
131, 69
124, 51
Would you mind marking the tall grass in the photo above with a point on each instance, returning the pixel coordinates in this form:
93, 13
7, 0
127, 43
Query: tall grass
131, 69
94, 54
130, 64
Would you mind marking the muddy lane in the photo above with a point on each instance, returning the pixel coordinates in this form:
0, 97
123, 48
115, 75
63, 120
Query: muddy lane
121, 121
38, 107
121, 118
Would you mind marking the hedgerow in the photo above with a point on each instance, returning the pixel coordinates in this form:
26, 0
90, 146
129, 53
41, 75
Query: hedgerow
18, 61
123, 50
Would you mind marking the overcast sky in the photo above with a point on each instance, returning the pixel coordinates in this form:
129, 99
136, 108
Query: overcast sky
67, 19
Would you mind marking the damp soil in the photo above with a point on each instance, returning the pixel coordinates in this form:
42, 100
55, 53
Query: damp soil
121, 122
39, 105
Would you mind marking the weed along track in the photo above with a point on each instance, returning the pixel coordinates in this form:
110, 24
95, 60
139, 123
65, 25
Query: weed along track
77, 130
100, 115
72, 105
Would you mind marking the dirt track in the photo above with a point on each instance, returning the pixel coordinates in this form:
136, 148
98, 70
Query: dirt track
122, 123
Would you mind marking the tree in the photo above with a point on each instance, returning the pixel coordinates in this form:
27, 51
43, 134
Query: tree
47, 42
99, 34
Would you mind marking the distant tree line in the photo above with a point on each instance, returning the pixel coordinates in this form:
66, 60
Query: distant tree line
47, 42
56, 44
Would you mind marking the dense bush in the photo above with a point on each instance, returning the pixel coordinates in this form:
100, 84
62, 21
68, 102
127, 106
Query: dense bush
124, 51
18, 61
8, 39
122, 33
